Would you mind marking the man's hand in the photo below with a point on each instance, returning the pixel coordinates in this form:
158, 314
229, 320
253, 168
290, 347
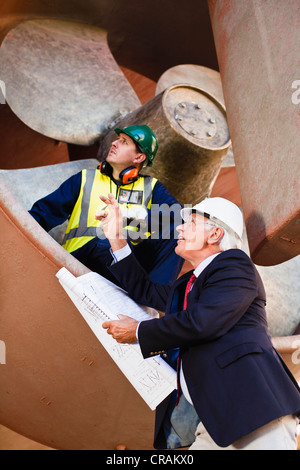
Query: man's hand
124, 330
112, 222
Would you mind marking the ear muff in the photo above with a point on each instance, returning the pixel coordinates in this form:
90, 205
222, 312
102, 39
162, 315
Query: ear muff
129, 175
106, 169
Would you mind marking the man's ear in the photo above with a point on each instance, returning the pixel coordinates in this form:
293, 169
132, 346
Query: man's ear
215, 235
139, 159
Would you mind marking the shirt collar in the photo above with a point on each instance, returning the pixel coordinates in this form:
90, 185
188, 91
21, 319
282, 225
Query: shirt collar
204, 264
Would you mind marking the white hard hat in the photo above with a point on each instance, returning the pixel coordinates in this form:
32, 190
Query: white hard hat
218, 210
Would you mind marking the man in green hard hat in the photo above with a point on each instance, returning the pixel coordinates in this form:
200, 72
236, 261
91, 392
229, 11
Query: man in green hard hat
140, 197
145, 140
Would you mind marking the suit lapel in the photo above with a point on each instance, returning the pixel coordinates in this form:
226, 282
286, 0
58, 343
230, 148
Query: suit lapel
177, 294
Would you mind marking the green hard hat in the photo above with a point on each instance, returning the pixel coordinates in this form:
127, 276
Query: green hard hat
145, 139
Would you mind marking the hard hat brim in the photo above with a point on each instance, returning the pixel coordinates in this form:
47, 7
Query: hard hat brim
187, 212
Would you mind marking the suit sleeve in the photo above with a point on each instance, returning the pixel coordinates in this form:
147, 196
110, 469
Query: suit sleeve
57, 207
215, 307
135, 280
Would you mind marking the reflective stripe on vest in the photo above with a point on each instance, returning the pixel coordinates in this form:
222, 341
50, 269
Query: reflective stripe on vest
82, 225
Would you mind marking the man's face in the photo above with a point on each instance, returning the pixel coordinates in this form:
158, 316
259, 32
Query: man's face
192, 236
123, 152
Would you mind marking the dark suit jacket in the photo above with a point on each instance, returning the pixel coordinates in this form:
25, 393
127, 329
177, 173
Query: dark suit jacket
236, 379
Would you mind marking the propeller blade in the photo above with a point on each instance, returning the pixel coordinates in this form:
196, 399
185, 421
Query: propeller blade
62, 80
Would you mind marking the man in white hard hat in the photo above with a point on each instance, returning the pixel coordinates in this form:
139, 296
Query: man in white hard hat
230, 374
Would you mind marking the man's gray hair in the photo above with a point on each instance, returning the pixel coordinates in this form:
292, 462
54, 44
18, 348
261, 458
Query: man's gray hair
229, 240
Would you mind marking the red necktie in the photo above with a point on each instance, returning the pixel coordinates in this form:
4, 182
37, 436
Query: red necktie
187, 291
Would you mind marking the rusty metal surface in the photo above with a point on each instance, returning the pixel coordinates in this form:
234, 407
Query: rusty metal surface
282, 285
195, 75
62, 80
139, 37
193, 138
201, 77
197, 116
58, 387
259, 63
28, 185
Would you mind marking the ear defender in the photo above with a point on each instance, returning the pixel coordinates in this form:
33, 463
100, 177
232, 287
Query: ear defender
129, 175
106, 169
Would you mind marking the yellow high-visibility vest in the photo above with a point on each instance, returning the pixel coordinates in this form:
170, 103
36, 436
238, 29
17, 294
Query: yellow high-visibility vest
83, 226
